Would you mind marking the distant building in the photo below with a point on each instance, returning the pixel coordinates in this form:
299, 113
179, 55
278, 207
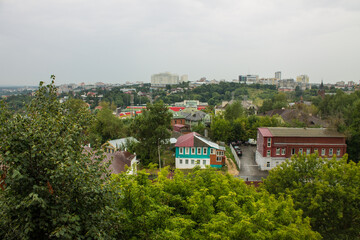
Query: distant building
276, 144
184, 78
248, 79
302, 79
192, 150
286, 85
278, 75
163, 79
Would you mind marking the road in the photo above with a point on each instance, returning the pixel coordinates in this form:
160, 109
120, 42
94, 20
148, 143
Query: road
249, 170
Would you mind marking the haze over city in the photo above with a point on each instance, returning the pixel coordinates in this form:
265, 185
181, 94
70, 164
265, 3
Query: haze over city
119, 41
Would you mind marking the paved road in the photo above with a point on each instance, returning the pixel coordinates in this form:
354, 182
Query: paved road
249, 170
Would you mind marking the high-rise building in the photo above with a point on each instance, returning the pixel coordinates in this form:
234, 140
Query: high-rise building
184, 78
163, 79
278, 75
302, 79
249, 79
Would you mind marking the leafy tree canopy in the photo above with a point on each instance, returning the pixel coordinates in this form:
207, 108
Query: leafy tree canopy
327, 190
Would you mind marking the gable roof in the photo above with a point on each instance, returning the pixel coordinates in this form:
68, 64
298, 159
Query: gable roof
116, 143
194, 139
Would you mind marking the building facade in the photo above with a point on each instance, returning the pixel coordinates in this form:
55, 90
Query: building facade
192, 150
276, 144
163, 79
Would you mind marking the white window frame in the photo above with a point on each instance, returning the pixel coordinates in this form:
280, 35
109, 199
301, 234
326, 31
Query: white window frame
338, 152
301, 150
277, 151
316, 150
180, 161
283, 151
308, 151
204, 162
269, 142
193, 151
268, 164
181, 150
212, 151
217, 159
186, 161
205, 151
187, 150
331, 151
268, 153
192, 161
323, 151
199, 151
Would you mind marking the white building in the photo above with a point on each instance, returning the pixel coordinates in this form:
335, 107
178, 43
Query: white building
163, 79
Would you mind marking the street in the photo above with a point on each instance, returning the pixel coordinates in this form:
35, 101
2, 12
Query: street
249, 171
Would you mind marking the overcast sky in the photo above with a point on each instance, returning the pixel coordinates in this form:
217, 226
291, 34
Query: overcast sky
115, 41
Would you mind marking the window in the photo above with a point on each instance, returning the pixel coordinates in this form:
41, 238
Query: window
219, 159
192, 150
315, 150
268, 153
186, 150
292, 151
283, 151
199, 151
269, 142
308, 151
186, 161
323, 151
220, 153
204, 162
205, 151
192, 162
212, 151
300, 150
180, 161
338, 152
330, 152
278, 151
181, 150
268, 164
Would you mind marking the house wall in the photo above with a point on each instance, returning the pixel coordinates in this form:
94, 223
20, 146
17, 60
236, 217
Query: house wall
190, 160
177, 121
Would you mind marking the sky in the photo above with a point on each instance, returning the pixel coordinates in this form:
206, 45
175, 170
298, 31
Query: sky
114, 41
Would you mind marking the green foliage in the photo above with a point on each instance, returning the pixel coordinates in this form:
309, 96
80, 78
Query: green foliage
326, 190
52, 189
106, 127
151, 129
203, 205
278, 101
234, 111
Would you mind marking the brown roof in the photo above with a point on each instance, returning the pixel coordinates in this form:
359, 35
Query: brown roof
304, 132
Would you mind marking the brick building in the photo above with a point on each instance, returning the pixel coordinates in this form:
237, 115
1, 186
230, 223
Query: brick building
275, 144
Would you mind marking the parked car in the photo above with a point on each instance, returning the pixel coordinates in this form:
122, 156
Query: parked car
238, 150
252, 142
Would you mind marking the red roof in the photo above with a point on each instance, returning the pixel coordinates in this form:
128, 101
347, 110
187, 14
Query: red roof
265, 132
186, 140
201, 107
176, 109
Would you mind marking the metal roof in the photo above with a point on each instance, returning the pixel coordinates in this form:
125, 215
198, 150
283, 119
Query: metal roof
304, 132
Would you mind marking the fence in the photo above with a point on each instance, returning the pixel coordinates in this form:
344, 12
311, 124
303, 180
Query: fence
236, 157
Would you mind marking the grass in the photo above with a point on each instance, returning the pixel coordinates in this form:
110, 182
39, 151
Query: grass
229, 155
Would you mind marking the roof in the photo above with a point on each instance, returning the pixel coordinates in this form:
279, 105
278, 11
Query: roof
186, 140
189, 140
265, 132
121, 142
197, 116
303, 132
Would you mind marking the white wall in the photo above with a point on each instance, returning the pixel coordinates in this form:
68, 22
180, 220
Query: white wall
189, 165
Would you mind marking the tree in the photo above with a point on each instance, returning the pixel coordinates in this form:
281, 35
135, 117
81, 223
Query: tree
234, 111
152, 130
220, 130
326, 190
203, 205
106, 127
52, 189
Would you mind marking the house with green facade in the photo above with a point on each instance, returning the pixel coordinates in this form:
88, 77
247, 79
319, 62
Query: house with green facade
192, 150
